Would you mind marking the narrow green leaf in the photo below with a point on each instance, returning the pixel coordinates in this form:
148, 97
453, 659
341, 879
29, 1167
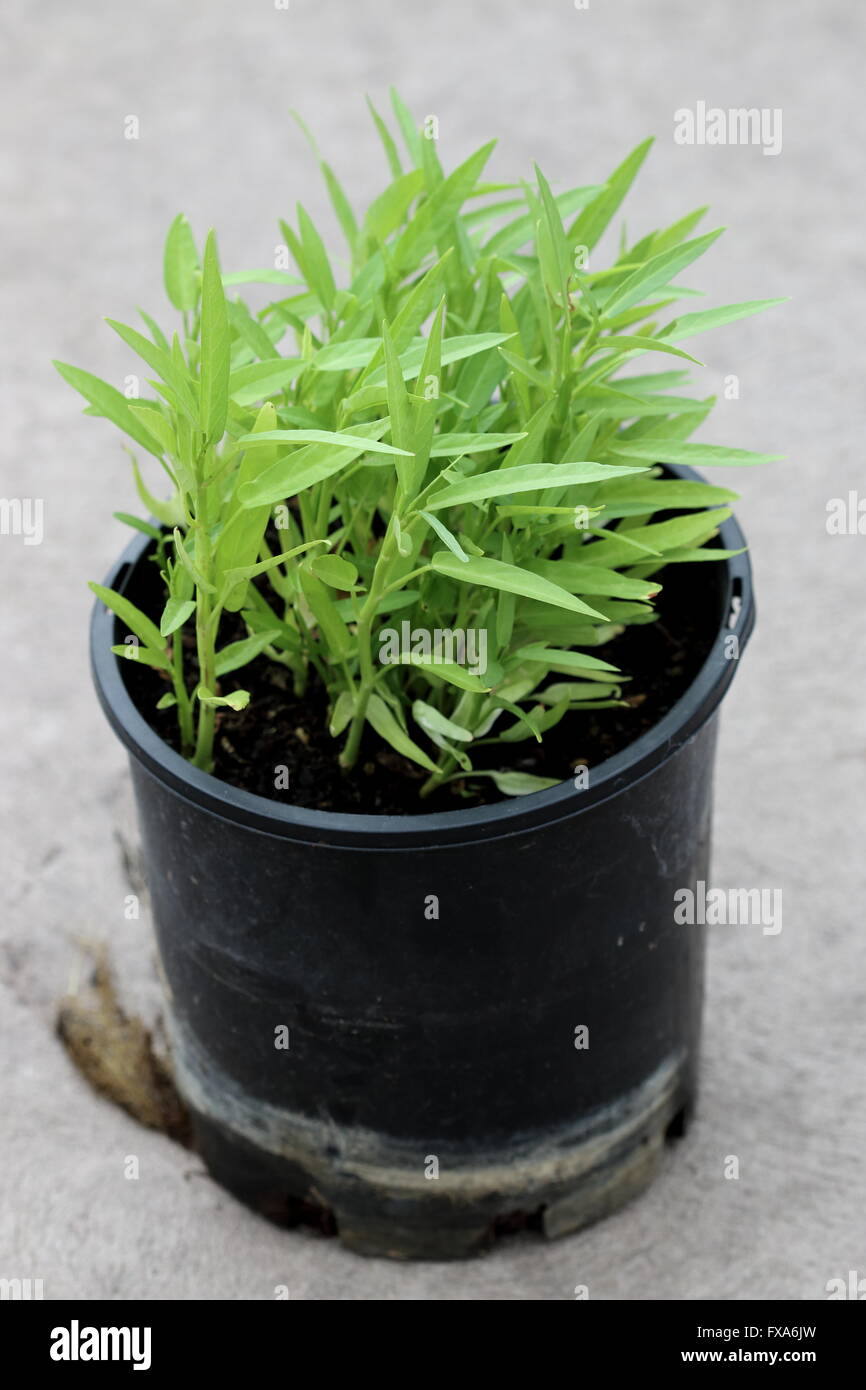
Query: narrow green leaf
694, 455
525, 477
595, 218
347, 440
331, 625
238, 654
109, 403
494, 574
215, 343
409, 129
454, 445
552, 656
445, 535
435, 216
181, 270
658, 271
387, 727
689, 324
174, 376
137, 622
319, 274
447, 671
433, 721
388, 144
131, 651
519, 783
138, 524
175, 614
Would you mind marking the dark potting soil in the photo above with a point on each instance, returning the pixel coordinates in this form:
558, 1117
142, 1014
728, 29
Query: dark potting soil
281, 738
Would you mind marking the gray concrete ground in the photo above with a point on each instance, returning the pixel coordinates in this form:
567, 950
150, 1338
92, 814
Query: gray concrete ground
85, 210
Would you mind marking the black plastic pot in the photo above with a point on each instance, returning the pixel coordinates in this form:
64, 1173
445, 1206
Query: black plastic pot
436, 1089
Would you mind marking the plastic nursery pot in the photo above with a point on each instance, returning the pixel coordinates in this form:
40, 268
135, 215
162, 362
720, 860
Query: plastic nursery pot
426, 1030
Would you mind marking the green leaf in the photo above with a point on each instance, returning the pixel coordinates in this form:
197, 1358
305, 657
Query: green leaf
137, 622
158, 426
432, 721
387, 727
181, 270
265, 276
238, 654
519, 783
593, 221
593, 579
694, 455
553, 657
251, 332
452, 445
168, 512
445, 536
257, 380
322, 606
640, 495
524, 477
175, 614
174, 376
240, 539
657, 271
189, 564
110, 403
515, 234
409, 129
154, 330
494, 574
661, 535
138, 524
402, 431
347, 440
131, 651
689, 324
215, 344
387, 212
319, 274
304, 468
436, 215
447, 671
236, 576
342, 713
335, 571
339, 201
237, 700
387, 142
625, 343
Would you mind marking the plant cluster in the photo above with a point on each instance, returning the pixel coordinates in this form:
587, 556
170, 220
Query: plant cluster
438, 433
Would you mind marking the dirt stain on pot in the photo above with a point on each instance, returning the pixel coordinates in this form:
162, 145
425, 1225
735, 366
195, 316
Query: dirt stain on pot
114, 1052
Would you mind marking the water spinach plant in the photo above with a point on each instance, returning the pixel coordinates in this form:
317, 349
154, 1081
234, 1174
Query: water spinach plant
433, 443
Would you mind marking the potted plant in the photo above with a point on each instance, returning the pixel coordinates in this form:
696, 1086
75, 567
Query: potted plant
418, 665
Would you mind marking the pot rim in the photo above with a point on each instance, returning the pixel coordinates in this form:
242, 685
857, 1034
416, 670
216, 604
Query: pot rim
370, 831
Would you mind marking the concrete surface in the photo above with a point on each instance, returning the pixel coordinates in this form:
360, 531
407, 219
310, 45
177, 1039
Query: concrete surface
85, 210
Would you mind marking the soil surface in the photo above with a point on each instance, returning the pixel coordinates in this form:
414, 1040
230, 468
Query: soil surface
280, 738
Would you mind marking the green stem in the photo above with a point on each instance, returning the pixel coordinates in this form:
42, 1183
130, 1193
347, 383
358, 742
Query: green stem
206, 662
349, 755
207, 618
184, 706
